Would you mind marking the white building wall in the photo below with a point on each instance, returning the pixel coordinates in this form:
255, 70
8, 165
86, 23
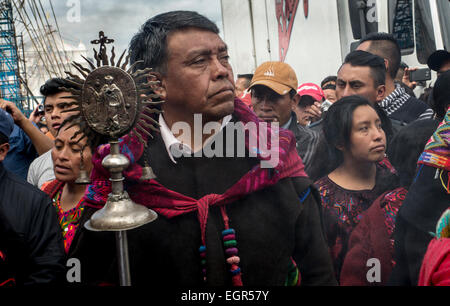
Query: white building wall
36, 73
345, 29
265, 49
237, 35
314, 50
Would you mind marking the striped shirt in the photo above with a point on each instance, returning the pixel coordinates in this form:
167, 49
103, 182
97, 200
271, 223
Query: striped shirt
398, 99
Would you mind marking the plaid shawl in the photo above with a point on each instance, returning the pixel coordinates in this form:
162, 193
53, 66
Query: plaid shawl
437, 151
169, 203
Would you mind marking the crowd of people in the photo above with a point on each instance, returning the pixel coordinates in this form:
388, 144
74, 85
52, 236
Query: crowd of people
362, 178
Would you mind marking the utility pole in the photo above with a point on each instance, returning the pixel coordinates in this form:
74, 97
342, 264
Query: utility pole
23, 69
9, 59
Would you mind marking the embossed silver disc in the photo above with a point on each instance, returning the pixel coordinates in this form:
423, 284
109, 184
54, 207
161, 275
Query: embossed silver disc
109, 101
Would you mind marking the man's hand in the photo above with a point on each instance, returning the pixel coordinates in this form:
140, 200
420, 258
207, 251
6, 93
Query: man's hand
41, 142
314, 112
12, 109
34, 115
406, 79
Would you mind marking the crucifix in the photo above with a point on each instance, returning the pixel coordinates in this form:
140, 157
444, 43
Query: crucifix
102, 41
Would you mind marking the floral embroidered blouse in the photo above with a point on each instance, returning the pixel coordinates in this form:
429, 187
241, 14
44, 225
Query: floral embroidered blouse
68, 220
343, 210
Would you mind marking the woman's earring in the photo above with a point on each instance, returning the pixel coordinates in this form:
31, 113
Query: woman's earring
83, 177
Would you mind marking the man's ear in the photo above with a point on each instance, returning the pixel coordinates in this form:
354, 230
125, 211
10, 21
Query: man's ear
295, 101
159, 88
4, 148
386, 64
381, 92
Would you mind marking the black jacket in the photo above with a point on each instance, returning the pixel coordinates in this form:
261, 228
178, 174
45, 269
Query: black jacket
272, 225
306, 139
411, 110
30, 237
424, 204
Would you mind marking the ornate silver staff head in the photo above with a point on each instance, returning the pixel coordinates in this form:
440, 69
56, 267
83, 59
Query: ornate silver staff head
114, 101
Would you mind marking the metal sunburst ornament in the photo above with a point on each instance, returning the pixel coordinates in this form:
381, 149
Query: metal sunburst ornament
115, 101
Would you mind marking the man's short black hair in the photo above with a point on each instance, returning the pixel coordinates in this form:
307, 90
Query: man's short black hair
406, 146
53, 86
360, 58
386, 46
150, 43
306, 101
328, 79
441, 95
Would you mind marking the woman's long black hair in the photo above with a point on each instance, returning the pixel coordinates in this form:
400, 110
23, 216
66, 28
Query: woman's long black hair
336, 131
337, 126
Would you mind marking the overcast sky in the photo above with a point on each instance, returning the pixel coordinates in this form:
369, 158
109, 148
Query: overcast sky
120, 19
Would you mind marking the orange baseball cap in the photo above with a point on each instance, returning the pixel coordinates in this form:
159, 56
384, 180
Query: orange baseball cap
278, 76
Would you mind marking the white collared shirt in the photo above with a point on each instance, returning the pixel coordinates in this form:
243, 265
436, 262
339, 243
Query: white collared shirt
179, 145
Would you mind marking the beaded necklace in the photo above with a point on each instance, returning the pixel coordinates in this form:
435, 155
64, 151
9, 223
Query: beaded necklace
230, 244
68, 220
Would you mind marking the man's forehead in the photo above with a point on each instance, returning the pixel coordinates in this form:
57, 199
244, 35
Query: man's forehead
353, 73
181, 41
58, 98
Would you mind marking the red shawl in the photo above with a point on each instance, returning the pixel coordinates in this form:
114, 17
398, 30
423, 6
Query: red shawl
170, 203
435, 270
